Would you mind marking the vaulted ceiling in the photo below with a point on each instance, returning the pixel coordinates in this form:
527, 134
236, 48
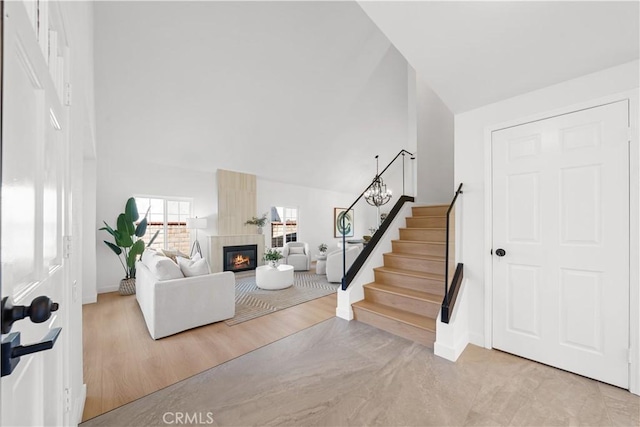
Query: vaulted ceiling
299, 92
478, 52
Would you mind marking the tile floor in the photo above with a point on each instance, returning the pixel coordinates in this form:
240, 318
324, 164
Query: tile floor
341, 373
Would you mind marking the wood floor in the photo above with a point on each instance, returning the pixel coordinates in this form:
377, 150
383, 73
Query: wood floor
123, 363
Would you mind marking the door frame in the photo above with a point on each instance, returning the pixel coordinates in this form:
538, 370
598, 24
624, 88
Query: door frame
632, 97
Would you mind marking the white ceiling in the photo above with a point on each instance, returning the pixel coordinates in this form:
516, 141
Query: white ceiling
475, 53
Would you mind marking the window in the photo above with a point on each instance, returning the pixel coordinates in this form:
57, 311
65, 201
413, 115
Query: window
284, 226
169, 217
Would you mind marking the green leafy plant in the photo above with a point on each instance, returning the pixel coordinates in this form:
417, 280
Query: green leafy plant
128, 237
322, 247
272, 255
260, 222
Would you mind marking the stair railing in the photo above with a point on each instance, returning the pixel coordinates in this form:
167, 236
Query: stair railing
357, 264
450, 292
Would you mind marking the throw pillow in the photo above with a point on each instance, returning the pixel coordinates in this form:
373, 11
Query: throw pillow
161, 267
193, 267
296, 250
173, 254
147, 255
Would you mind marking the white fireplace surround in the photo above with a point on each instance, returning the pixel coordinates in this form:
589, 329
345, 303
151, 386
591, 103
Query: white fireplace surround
216, 243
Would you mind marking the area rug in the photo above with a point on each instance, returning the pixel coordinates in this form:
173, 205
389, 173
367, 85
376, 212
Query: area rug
252, 302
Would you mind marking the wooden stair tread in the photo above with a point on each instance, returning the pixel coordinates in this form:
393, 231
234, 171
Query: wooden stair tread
427, 216
423, 228
418, 241
406, 292
415, 256
431, 206
412, 273
415, 320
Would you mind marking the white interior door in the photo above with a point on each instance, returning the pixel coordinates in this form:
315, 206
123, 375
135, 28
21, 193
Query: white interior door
33, 158
561, 215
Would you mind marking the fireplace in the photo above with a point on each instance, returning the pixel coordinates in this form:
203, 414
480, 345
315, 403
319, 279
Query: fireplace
240, 258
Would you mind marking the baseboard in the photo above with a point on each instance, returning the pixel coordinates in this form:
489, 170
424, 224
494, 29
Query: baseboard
477, 339
89, 299
451, 353
444, 351
78, 407
346, 314
108, 289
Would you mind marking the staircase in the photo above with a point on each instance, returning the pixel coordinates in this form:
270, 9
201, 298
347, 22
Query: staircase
408, 290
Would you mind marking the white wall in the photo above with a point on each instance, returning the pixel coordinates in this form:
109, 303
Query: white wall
435, 146
471, 156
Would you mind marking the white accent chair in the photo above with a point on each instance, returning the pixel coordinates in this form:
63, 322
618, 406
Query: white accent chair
297, 254
334, 262
172, 306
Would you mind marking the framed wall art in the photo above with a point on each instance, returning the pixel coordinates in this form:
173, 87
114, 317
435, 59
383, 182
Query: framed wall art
340, 229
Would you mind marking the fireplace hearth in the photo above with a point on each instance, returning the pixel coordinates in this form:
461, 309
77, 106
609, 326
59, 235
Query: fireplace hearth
240, 258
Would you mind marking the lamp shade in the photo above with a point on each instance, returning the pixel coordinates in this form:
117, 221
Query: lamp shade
196, 223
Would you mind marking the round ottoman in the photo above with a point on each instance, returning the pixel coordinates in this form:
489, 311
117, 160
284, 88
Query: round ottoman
274, 278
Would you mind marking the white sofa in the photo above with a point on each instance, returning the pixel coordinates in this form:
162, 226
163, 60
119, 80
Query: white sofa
334, 262
172, 306
297, 254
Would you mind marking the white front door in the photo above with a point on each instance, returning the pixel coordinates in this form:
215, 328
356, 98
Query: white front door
561, 216
33, 161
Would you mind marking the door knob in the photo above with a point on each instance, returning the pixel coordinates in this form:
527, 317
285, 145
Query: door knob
39, 311
501, 252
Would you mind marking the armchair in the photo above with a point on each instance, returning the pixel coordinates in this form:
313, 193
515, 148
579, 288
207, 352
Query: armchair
334, 262
297, 254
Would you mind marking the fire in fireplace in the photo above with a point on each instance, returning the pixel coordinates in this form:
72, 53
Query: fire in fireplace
239, 258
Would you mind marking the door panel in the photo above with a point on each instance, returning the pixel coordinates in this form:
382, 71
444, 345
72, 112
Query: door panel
581, 317
21, 174
33, 150
523, 299
561, 213
524, 204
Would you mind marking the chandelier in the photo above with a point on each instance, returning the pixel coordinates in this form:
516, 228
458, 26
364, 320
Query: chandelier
377, 194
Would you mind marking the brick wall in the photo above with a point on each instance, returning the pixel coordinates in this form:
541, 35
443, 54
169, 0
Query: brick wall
177, 236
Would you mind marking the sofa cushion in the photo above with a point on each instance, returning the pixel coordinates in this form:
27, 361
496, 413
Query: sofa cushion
161, 267
197, 266
296, 250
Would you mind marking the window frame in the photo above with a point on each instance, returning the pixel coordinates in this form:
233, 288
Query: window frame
283, 224
165, 212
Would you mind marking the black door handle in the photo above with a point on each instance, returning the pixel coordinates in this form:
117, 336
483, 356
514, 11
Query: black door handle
39, 311
501, 252
12, 350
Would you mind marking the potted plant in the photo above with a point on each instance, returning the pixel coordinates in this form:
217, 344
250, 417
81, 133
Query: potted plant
258, 222
128, 243
322, 247
272, 256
